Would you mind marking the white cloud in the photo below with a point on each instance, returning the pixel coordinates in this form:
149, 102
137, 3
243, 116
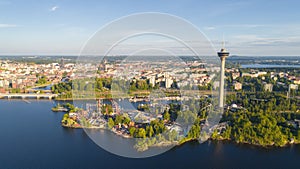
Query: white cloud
244, 25
54, 8
255, 40
266, 44
8, 26
209, 28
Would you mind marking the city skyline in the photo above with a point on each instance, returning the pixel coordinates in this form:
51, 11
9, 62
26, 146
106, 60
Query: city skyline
149, 84
250, 28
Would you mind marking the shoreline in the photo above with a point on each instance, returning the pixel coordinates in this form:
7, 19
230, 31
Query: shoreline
81, 127
179, 143
257, 145
94, 127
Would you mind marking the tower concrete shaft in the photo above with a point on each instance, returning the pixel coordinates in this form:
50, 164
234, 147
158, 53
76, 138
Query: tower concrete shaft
223, 54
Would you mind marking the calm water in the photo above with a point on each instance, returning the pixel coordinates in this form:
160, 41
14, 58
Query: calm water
269, 66
31, 137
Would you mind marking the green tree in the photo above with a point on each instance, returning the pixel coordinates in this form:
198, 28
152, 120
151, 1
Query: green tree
132, 131
166, 116
173, 135
42, 80
89, 87
227, 133
149, 131
126, 120
215, 135
99, 84
119, 119
140, 133
110, 123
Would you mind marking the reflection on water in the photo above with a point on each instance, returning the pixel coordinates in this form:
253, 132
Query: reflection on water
218, 148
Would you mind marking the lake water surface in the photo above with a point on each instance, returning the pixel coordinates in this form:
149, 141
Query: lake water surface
31, 137
268, 66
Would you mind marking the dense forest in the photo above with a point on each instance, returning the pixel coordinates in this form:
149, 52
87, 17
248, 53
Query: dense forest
263, 119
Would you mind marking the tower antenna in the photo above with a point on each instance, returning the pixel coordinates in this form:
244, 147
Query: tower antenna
223, 42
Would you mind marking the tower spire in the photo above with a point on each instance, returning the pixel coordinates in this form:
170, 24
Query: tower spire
223, 42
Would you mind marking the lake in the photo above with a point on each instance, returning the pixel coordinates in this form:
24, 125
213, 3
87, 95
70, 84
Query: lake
32, 137
268, 66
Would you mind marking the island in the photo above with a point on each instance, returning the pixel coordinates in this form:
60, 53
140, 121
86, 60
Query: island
61, 108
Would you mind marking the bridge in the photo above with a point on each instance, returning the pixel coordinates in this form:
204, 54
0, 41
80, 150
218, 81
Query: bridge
28, 95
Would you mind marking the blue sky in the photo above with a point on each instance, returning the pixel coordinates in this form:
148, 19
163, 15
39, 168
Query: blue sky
251, 27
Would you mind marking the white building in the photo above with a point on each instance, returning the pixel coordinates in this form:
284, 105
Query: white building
268, 87
168, 82
293, 87
238, 86
152, 80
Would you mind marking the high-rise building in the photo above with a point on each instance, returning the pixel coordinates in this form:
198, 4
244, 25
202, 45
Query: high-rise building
168, 82
62, 63
152, 81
